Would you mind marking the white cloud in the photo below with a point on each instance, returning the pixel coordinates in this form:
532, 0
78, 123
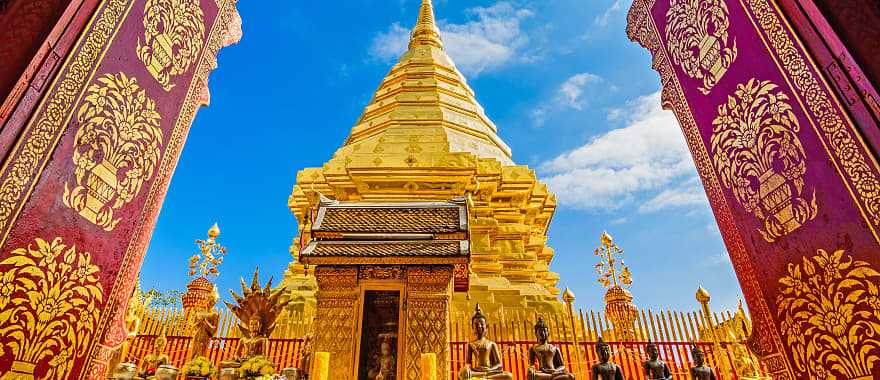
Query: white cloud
648, 158
573, 88
687, 194
568, 95
389, 45
602, 20
493, 39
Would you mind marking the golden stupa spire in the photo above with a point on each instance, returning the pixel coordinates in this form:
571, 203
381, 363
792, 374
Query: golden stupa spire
424, 99
425, 31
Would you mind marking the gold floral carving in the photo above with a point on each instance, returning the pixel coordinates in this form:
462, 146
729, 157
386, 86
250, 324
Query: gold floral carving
49, 298
698, 40
372, 272
757, 153
173, 34
829, 306
25, 163
116, 148
838, 134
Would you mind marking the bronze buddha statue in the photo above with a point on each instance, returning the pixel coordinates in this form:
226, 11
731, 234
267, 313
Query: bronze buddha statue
483, 358
605, 369
548, 358
700, 371
655, 369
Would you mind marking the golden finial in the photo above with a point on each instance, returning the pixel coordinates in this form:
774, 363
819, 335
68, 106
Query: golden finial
214, 231
703, 296
210, 255
568, 296
426, 32
612, 271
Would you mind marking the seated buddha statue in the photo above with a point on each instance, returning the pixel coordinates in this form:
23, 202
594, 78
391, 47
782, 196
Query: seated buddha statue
253, 342
605, 369
655, 369
483, 359
700, 371
151, 362
546, 357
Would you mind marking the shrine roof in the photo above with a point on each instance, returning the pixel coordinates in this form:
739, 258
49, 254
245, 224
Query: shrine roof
391, 218
401, 251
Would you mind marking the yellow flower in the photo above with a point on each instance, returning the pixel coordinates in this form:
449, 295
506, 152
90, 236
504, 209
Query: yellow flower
246, 366
267, 370
205, 370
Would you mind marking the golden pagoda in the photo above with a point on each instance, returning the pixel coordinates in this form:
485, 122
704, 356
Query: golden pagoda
424, 137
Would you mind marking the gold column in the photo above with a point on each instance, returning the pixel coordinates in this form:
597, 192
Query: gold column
336, 318
429, 290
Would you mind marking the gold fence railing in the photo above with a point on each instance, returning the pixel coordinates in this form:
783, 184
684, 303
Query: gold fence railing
672, 331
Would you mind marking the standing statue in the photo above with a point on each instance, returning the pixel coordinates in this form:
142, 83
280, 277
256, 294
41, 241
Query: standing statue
259, 308
547, 357
152, 362
205, 324
700, 371
483, 358
655, 369
605, 369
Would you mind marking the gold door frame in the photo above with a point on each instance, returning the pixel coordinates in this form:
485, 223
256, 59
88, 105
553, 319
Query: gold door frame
398, 285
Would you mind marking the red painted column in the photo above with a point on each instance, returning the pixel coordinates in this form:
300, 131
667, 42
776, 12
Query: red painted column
85, 176
790, 172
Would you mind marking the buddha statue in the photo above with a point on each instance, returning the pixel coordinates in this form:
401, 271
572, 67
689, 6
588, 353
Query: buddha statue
385, 365
605, 369
700, 371
151, 362
546, 357
483, 359
205, 323
655, 369
253, 343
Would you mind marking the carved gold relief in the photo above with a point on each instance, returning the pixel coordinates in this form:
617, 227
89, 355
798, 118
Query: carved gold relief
173, 34
116, 148
698, 39
829, 306
49, 298
757, 153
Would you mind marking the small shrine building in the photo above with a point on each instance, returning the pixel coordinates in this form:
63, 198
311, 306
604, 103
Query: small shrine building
386, 273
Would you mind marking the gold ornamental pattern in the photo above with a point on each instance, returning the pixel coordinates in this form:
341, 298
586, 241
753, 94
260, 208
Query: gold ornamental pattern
759, 157
838, 132
173, 35
49, 298
698, 39
25, 163
829, 307
117, 148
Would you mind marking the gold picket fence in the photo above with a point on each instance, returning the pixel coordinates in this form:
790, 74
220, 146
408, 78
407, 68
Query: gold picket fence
171, 321
672, 331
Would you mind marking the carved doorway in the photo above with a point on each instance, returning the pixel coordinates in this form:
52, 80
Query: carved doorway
380, 323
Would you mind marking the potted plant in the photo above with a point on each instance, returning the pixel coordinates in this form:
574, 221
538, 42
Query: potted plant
256, 367
200, 368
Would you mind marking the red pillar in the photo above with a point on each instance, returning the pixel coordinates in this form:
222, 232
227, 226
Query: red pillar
788, 161
86, 164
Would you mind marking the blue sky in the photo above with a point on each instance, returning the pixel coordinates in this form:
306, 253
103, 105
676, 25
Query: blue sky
571, 95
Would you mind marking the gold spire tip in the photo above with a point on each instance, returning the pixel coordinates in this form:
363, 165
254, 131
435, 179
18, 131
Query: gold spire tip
426, 32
